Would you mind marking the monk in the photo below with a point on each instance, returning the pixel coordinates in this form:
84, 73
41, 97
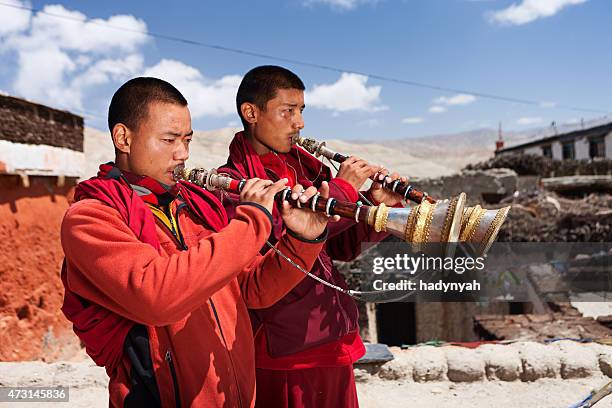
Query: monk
157, 281
305, 343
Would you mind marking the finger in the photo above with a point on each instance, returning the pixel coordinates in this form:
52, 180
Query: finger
368, 171
324, 190
249, 183
277, 186
334, 218
391, 178
297, 191
361, 163
307, 194
348, 162
286, 208
382, 173
260, 184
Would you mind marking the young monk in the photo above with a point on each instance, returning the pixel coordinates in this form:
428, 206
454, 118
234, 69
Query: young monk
307, 342
157, 280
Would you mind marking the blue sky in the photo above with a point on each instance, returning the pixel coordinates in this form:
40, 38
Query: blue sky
556, 52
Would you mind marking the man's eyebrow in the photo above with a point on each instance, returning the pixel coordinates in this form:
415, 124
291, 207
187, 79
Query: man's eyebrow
293, 105
176, 134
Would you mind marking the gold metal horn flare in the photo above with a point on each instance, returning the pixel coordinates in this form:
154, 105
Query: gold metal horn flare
480, 226
438, 222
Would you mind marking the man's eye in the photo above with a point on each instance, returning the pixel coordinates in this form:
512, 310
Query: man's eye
187, 141
168, 140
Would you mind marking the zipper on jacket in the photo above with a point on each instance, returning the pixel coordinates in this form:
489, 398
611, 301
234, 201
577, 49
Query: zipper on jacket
214, 309
177, 397
174, 223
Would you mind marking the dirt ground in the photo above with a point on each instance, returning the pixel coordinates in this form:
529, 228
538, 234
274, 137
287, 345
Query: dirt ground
88, 389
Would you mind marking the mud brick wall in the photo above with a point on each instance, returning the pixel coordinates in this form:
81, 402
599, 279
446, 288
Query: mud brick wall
26, 122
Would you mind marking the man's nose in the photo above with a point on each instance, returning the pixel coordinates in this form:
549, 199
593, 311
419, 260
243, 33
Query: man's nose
182, 152
299, 122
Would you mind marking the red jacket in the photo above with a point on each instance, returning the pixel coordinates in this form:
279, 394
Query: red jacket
312, 319
190, 341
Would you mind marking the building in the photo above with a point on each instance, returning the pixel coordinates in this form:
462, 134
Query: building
36, 140
41, 158
591, 143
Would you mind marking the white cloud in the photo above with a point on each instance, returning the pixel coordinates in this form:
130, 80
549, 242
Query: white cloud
340, 4
529, 121
109, 70
413, 121
459, 99
530, 10
13, 19
349, 93
205, 96
437, 109
58, 59
73, 33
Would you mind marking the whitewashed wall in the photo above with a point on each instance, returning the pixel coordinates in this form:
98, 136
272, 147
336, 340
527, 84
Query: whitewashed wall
37, 160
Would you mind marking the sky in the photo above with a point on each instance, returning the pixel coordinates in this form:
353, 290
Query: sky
556, 54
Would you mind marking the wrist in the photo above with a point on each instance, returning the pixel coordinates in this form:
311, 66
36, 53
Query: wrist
314, 239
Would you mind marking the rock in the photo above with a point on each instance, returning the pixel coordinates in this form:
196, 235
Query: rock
361, 375
577, 361
429, 363
501, 362
604, 357
538, 360
464, 365
400, 368
489, 185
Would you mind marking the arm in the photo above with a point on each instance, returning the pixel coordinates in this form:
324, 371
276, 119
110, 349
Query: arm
345, 244
132, 279
270, 277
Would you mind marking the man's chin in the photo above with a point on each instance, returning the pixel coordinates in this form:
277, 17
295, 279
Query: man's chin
167, 180
285, 149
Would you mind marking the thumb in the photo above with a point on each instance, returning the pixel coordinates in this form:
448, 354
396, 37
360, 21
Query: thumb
324, 190
286, 208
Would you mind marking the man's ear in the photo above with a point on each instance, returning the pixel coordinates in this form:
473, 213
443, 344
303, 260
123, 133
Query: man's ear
249, 112
122, 138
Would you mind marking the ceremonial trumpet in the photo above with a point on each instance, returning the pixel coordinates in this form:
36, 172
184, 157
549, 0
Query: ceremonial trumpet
427, 222
406, 190
479, 226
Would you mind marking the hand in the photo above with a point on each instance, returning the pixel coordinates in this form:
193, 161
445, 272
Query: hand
355, 171
261, 192
303, 221
383, 195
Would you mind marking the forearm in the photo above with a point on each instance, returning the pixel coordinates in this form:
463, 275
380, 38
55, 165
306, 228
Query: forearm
132, 279
271, 276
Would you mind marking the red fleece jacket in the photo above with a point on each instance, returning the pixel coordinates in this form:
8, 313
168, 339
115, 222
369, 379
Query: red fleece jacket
192, 302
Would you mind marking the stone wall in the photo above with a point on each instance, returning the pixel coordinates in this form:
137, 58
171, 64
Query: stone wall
30, 123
